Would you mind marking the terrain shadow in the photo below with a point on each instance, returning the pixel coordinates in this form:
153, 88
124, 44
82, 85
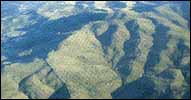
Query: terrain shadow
183, 10
45, 76
45, 35
124, 66
143, 7
160, 40
61, 93
116, 5
181, 52
106, 37
142, 87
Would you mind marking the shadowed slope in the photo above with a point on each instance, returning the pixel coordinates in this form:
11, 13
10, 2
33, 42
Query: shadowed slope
130, 49
43, 36
160, 40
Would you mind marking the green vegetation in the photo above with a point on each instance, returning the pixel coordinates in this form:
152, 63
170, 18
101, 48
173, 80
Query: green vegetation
13, 74
95, 50
84, 75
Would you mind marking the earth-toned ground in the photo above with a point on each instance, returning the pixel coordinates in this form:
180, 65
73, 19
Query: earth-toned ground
95, 49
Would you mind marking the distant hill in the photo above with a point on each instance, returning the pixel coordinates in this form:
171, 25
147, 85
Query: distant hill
95, 50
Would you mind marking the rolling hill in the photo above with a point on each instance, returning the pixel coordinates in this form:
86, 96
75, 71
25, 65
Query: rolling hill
95, 50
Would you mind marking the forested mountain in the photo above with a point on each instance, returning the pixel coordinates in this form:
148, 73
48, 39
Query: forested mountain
95, 49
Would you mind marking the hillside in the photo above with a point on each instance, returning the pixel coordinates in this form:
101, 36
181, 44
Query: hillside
95, 50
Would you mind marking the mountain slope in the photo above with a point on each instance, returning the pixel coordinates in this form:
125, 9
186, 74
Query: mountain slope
95, 50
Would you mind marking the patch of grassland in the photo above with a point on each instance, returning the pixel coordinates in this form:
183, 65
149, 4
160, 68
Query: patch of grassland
12, 74
84, 80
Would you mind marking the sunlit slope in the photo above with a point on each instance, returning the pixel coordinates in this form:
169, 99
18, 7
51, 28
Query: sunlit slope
79, 62
167, 53
13, 74
95, 50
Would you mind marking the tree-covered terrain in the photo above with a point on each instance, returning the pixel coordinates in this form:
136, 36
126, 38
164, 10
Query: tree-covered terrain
95, 49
